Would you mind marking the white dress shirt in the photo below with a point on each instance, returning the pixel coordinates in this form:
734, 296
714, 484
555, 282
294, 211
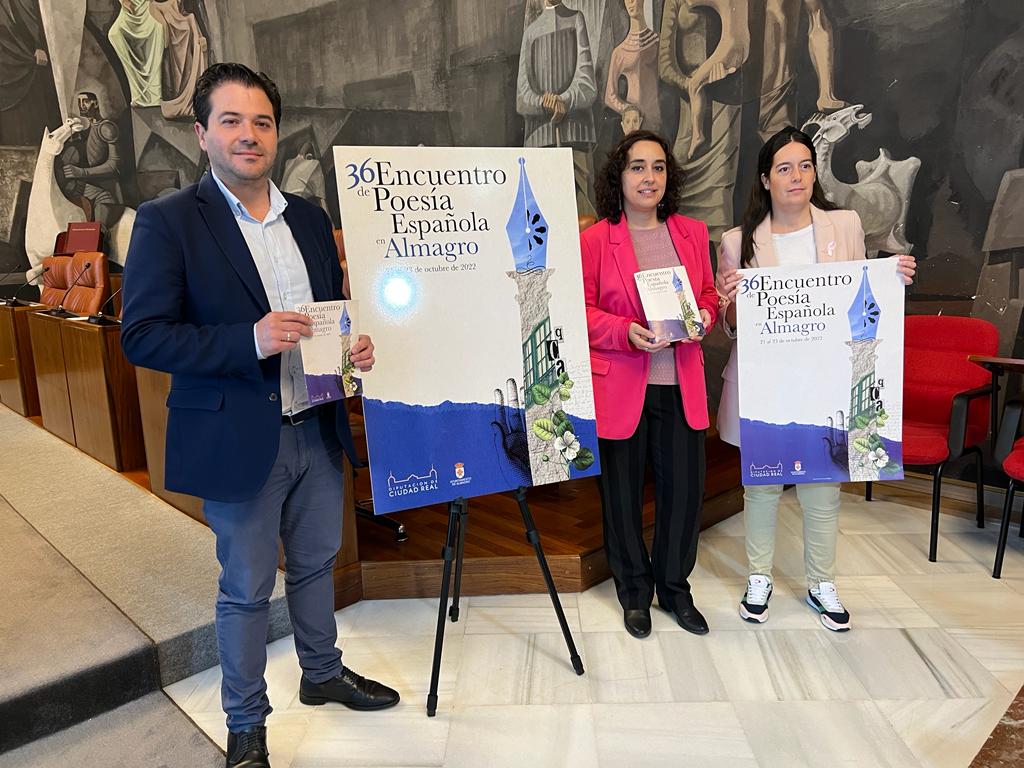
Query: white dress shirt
284, 277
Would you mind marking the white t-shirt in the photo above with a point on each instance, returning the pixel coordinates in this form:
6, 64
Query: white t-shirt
796, 248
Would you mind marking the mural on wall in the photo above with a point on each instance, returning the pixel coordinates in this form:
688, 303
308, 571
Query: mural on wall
914, 107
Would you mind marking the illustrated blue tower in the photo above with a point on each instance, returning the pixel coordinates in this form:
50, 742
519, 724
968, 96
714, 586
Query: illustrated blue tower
528, 232
864, 316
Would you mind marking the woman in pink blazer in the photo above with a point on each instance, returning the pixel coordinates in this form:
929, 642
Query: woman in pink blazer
788, 221
649, 395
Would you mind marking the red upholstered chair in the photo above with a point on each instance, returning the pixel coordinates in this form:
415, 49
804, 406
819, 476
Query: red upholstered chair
90, 290
1010, 454
945, 399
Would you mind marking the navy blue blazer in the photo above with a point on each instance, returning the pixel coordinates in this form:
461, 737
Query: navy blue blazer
191, 297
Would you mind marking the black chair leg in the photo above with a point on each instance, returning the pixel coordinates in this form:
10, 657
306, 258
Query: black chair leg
1004, 530
933, 544
980, 485
867, 491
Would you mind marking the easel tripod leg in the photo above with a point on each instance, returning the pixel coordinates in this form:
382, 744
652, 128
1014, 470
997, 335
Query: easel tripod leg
533, 537
453, 611
447, 554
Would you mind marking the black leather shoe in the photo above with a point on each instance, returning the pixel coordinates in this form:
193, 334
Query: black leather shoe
637, 621
690, 619
248, 748
350, 689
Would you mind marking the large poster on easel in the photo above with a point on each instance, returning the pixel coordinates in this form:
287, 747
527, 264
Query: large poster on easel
820, 356
466, 262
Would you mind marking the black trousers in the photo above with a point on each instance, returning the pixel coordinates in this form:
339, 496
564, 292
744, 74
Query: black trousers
677, 459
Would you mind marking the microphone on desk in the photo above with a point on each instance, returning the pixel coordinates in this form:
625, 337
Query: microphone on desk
59, 310
99, 318
14, 301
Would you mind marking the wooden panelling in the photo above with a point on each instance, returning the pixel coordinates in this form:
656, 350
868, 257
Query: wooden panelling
153, 387
17, 370
104, 396
51, 375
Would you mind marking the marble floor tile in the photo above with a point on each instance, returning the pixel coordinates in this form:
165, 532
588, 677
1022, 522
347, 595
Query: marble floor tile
923, 663
879, 516
936, 653
691, 671
401, 736
410, 616
655, 735
999, 649
981, 545
899, 554
404, 662
538, 736
622, 669
552, 678
968, 600
494, 670
945, 734
807, 734
520, 614
599, 610
877, 602
285, 732
519, 669
783, 665
741, 667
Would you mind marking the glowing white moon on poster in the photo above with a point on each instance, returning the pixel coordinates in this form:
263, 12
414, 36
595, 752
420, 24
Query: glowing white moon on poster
467, 265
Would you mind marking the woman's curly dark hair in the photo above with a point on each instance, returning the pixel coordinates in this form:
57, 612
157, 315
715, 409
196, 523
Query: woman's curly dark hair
609, 181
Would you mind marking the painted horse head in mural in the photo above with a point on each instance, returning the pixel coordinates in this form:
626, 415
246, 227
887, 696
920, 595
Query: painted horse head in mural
881, 194
50, 211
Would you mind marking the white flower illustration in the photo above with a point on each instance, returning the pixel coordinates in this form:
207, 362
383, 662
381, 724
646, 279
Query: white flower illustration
878, 457
567, 445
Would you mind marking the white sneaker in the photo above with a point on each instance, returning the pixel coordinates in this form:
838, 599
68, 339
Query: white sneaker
754, 605
825, 600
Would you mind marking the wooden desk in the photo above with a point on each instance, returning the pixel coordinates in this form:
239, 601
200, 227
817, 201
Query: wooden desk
51, 375
103, 394
997, 366
153, 387
17, 369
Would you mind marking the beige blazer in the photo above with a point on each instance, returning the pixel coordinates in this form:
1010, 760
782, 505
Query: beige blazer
838, 236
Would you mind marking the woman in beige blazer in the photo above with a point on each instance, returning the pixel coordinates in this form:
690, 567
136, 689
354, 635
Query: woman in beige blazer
788, 221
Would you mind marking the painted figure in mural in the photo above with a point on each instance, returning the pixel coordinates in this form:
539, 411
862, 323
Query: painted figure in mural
711, 173
650, 396
730, 53
632, 119
26, 84
138, 39
635, 60
304, 177
556, 89
788, 221
214, 271
184, 58
92, 163
778, 82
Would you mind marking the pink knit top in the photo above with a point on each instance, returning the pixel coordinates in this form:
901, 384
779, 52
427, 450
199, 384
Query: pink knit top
654, 250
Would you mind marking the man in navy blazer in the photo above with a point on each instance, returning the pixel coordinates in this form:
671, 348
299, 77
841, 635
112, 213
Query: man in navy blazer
212, 276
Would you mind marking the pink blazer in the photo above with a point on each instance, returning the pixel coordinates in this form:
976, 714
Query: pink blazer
620, 370
838, 236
